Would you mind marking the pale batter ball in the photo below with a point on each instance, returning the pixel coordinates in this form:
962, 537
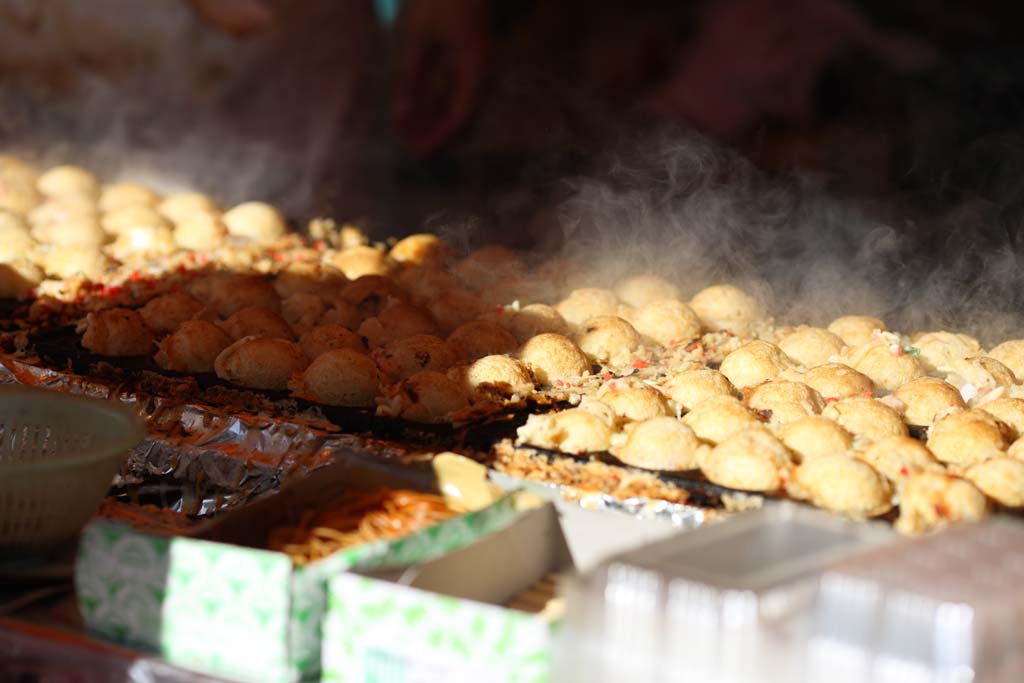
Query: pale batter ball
1001, 479
755, 362
940, 348
15, 240
728, 308
583, 304
180, 206
120, 195
61, 210
843, 484
926, 398
931, 501
968, 437
256, 321
18, 191
667, 322
74, 232
193, 347
885, 364
68, 181
719, 417
398, 321
812, 436
609, 340
690, 388
67, 262
1016, 449
660, 443
143, 240
225, 294
1011, 354
633, 400
164, 313
867, 418
498, 374
640, 290
979, 375
341, 377
811, 346
303, 310
749, 460
200, 232
553, 357
837, 381
256, 221
856, 330
572, 431
116, 332
355, 262
532, 320
419, 249
324, 338
480, 338
370, 294
1010, 411
18, 278
898, 457
782, 401
261, 363
429, 396
452, 307
121, 220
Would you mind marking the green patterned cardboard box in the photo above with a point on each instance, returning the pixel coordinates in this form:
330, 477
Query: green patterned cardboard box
237, 611
444, 621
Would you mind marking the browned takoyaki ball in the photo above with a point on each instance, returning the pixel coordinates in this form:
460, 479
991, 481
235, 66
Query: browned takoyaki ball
180, 206
397, 321
660, 443
1001, 479
1011, 354
489, 265
532, 320
454, 306
968, 437
729, 308
931, 501
719, 417
867, 418
749, 460
429, 396
370, 294
641, 290
67, 262
781, 401
405, 357
419, 249
164, 313
856, 330
927, 398
256, 321
116, 332
690, 388
497, 374
569, 431
479, 338
355, 262
978, 375
633, 400
200, 232
340, 377
811, 346
898, 457
938, 349
192, 347
1009, 411
256, 221
303, 310
553, 357
122, 194
667, 322
68, 181
755, 362
586, 303
323, 338
886, 364
815, 435
226, 294
260, 362
835, 380
841, 483
608, 340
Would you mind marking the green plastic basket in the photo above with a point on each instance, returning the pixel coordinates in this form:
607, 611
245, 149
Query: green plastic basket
58, 455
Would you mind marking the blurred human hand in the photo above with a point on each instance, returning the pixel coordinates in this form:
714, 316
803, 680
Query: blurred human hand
442, 52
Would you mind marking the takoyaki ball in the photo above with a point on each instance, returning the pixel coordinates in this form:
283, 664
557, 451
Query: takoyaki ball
968, 437
429, 396
856, 330
931, 501
15, 241
66, 262
940, 348
979, 375
226, 294
143, 240
602, 410
1016, 449
116, 332
583, 304
609, 340
553, 357
1001, 479
843, 484
926, 398
812, 436
405, 357
835, 380
532, 320
192, 347
660, 443
489, 265
68, 181
308, 278
898, 457
1011, 354
1009, 411
573, 431
324, 338
62, 210
256, 221
398, 321
128, 217
728, 308
755, 362
640, 290
340, 377
480, 338
200, 232
633, 401
370, 294
355, 262
667, 322
749, 460
782, 401
811, 346
452, 307
180, 206
75, 232
341, 312
261, 362
422, 248
18, 191
887, 368
499, 374
256, 321
303, 310
164, 313
867, 418
719, 417
123, 194
18, 277
690, 388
